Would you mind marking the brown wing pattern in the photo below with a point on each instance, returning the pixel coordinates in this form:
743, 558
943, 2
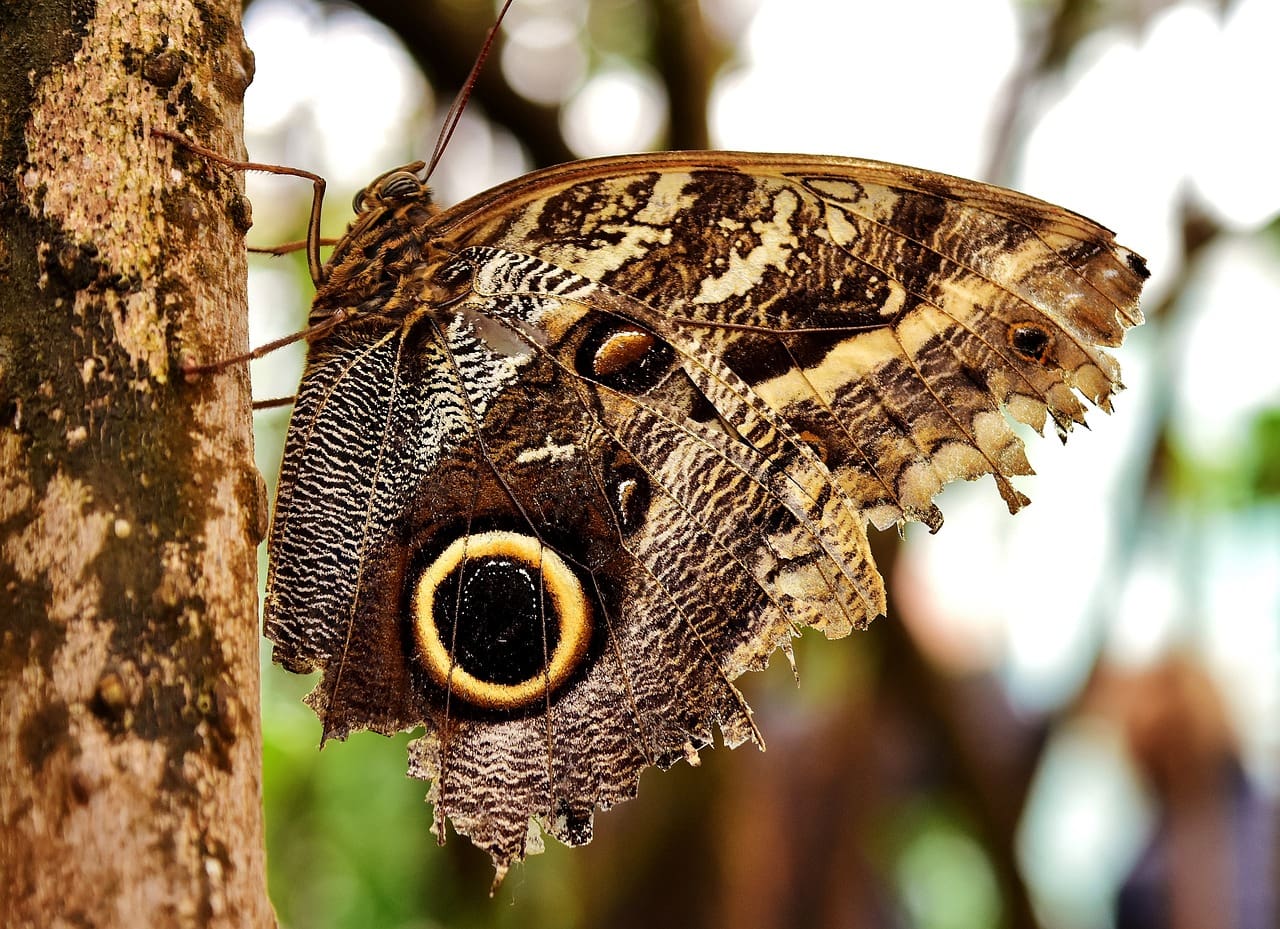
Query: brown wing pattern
601, 440
889, 312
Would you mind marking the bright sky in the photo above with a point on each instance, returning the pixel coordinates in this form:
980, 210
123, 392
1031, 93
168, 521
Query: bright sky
1139, 120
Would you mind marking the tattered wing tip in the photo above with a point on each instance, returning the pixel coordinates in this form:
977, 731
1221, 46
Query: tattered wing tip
791, 661
499, 874
1013, 498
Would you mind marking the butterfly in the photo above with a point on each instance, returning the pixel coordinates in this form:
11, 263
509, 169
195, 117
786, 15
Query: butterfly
571, 456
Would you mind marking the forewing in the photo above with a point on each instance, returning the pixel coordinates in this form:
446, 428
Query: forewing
887, 313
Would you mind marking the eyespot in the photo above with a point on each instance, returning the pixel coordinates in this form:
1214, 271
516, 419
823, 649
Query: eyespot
629, 494
621, 354
399, 186
817, 444
500, 620
1031, 341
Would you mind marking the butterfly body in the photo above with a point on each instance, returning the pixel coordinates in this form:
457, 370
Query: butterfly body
574, 454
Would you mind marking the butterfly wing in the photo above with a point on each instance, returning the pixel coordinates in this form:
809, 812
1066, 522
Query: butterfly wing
553, 521
887, 311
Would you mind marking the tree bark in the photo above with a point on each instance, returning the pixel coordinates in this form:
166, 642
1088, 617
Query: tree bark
130, 748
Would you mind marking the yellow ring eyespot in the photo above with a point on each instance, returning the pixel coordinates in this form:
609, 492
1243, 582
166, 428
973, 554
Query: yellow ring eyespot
499, 619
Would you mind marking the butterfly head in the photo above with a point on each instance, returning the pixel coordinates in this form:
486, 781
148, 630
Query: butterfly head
401, 185
384, 243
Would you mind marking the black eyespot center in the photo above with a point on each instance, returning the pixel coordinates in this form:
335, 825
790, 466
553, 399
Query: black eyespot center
491, 611
500, 620
1031, 341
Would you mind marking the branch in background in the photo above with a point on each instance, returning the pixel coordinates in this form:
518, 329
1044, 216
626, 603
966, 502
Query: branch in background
443, 39
686, 62
1048, 37
990, 756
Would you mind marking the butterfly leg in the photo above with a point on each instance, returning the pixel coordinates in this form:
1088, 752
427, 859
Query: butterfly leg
317, 198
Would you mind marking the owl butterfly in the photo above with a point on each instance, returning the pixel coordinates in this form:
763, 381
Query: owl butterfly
571, 456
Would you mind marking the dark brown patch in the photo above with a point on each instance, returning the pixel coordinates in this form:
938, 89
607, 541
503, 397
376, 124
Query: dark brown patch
1138, 265
930, 183
1030, 341
1080, 254
111, 697
240, 209
756, 359
163, 68
815, 442
75, 264
44, 732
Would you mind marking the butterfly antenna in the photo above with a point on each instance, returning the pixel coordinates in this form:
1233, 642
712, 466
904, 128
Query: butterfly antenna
460, 102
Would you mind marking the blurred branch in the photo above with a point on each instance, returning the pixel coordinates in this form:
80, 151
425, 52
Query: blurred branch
1203, 864
1048, 37
1148, 485
1199, 232
990, 757
443, 39
685, 60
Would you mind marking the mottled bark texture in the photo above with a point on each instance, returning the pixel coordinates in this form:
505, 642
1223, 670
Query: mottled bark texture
130, 755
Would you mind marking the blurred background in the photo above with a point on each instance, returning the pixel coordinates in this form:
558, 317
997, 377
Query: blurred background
1070, 718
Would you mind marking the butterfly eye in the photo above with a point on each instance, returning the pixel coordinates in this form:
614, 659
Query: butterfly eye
1031, 342
620, 354
500, 620
400, 185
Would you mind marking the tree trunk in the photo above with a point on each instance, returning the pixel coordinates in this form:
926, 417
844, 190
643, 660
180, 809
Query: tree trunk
130, 750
